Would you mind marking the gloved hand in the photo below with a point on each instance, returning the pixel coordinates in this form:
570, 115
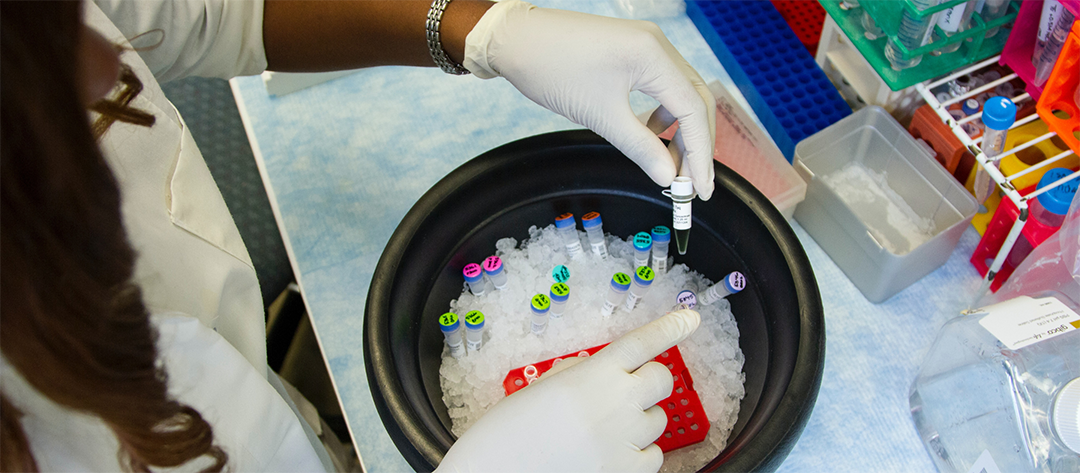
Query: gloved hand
586, 414
585, 66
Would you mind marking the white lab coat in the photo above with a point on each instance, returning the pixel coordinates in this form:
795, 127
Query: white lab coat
191, 264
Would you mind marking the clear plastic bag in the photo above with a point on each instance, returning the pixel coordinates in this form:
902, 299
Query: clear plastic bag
1052, 268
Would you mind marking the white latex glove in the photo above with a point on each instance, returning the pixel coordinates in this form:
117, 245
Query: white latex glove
584, 67
590, 414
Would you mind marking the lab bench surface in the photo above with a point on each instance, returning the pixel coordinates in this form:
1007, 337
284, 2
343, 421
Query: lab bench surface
345, 160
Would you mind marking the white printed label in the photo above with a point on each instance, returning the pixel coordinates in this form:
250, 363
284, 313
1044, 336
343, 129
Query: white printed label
538, 329
949, 21
573, 249
681, 215
1025, 321
631, 301
608, 308
985, 464
659, 265
600, 249
474, 345
1050, 12
641, 262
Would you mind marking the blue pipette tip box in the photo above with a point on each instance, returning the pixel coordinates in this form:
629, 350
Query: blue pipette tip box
780, 80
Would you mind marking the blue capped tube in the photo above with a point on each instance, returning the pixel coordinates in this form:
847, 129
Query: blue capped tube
620, 285
493, 268
685, 300
474, 329
661, 238
594, 227
560, 293
642, 248
452, 333
474, 277
643, 278
732, 283
540, 305
567, 227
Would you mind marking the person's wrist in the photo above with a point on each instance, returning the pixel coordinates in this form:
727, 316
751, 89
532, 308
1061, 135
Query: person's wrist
458, 17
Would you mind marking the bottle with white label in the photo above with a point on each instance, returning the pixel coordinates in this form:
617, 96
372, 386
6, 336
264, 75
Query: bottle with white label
594, 229
999, 390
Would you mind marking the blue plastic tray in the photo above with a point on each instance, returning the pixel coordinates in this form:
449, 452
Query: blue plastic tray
780, 80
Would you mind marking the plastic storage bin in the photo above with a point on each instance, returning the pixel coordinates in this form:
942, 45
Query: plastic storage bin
859, 239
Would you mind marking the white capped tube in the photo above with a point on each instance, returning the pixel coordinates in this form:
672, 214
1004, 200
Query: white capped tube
474, 329
732, 283
620, 285
452, 333
594, 227
643, 278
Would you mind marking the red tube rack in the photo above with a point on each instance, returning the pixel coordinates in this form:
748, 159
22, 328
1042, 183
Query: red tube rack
687, 423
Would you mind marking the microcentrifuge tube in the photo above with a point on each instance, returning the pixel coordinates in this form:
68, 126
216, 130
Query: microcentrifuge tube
620, 284
540, 306
594, 227
685, 300
731, 284
681, 193
560, 293
661, 238
561, 273
451, 330
643, 278
474, 276
567, 227
493, 268
474, 329
642, 248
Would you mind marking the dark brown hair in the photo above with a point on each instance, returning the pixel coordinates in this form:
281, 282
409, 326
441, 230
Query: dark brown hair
71, 322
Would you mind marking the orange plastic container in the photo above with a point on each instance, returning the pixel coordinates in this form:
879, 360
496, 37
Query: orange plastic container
1056, 105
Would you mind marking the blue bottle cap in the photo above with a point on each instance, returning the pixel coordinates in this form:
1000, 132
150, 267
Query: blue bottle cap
735, 282
642, 241
540, 304
560, 292
1058, 199
591, 219
493, 265
565, 220
448, 322
474, 319
620, 282
473, 273
999, 113
661, 234
970, 107
687, 298
644, 275
561, 273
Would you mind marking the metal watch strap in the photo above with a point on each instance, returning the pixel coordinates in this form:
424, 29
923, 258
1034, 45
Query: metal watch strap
434, 40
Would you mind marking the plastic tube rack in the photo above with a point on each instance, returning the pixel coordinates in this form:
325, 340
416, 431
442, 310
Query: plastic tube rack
974, 145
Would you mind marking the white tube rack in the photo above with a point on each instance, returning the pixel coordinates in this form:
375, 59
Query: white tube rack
1004, 183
